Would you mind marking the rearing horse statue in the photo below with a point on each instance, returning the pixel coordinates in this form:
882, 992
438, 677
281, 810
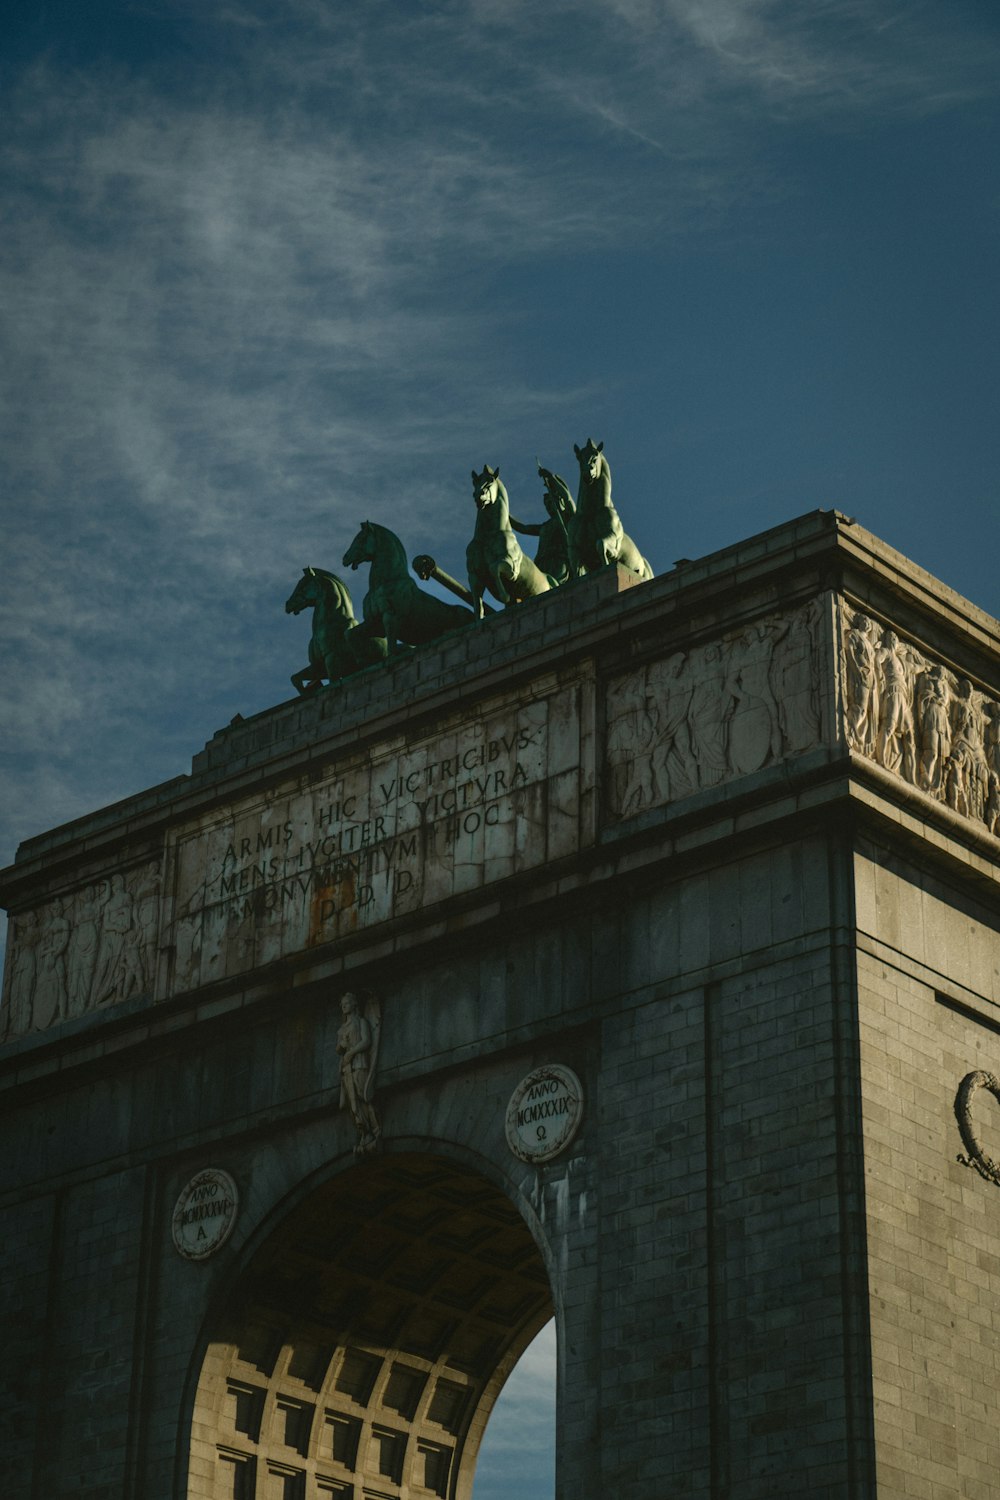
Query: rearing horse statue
394, 606
596, 534
494, 557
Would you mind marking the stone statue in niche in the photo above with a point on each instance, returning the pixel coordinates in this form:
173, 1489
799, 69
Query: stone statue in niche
862, 685
357, 1046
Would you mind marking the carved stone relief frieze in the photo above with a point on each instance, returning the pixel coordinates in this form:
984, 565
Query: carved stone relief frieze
921, 721
82, 951
720, 710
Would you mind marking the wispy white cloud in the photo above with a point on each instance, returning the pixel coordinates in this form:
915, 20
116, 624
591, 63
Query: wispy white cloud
248, 301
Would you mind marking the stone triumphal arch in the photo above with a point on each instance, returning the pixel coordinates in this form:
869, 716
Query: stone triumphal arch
629, 958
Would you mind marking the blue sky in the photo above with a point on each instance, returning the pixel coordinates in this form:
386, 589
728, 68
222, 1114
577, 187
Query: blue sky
270, 267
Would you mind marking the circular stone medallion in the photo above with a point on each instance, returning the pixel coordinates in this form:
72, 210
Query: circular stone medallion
205, 1214
544, 1113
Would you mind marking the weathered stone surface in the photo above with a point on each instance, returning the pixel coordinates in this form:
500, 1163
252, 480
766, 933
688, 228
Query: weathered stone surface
709, 844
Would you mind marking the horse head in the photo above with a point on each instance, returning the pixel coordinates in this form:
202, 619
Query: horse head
316, 586
362, 549
486, 487
304, 594
590, 458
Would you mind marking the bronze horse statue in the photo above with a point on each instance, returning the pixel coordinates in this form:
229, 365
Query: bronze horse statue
494, 557
337, 646
394, 606
596, 534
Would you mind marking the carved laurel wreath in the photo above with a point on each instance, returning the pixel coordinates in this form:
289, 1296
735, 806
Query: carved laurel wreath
977, 1157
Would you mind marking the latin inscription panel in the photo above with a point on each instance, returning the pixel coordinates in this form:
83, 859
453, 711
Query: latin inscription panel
382, 836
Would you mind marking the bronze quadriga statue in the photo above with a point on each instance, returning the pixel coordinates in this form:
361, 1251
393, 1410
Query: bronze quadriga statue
574, 540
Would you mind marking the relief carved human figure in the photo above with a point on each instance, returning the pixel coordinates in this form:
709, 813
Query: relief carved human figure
27, 934
754, 727
357, 1045
82, 957
966, 777
50, 978
632, 729
135, 962
991, 750
708, 713
117, 920
940, 734
798, 708
672, 766
895, 746
862, 685
933, 719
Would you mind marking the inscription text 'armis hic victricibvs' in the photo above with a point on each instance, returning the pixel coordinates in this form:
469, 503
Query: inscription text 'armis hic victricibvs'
376, 840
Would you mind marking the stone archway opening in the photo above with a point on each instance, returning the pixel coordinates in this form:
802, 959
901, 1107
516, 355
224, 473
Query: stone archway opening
361, 1353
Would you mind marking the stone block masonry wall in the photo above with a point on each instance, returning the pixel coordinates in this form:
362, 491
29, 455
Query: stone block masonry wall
928, 990
86, 1360
26, 1232
731, 1248
782, 1365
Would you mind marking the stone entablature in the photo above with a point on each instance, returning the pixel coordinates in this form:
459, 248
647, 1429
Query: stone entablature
592, 710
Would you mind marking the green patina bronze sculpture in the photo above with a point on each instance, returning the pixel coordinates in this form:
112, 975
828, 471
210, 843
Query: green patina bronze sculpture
338, 646
494, 557
425, 567
574, 540
596, 534
552, 556
394, 606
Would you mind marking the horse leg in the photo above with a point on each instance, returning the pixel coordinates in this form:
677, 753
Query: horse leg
391, 624
333, 669
630, 557
503, 585
476, 589
532, 580
305, 681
